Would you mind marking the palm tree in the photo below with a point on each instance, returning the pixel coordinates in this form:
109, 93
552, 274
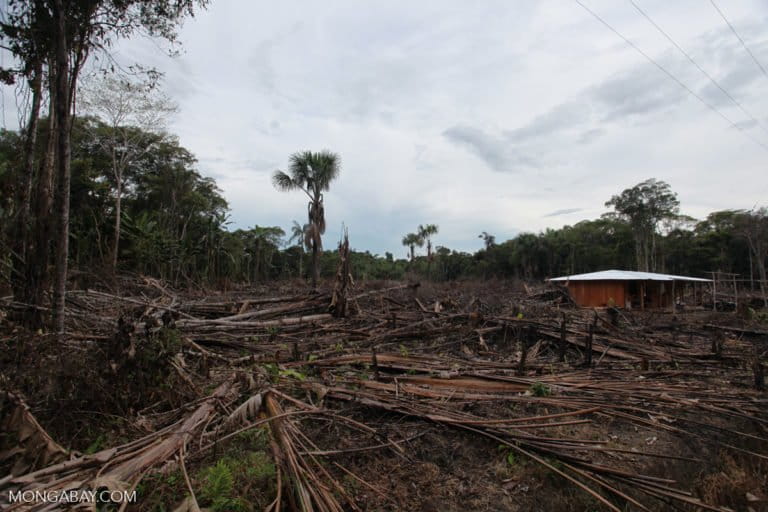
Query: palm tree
488, 239
411, 240
298, 235
426, 233
312, 173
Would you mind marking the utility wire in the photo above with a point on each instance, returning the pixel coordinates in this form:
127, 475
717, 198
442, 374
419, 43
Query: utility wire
670, 75
690, 59
739, 38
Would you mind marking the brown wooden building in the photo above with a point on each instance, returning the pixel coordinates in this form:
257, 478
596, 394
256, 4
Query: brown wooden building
627, 289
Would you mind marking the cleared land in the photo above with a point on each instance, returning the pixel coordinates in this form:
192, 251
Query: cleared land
464, 396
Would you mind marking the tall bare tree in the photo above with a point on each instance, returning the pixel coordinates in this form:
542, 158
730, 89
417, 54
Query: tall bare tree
753, 226
312, 173
135, 112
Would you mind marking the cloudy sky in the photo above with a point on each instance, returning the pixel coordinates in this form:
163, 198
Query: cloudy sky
490, 116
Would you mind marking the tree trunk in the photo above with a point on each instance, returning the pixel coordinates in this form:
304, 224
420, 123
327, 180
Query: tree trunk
429, 257
38, 277
301, 258
63, 171
118, 208
762, 272
315, 265
22, 233
257, 261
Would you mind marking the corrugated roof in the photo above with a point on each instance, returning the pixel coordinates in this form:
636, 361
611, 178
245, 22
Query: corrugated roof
627, 275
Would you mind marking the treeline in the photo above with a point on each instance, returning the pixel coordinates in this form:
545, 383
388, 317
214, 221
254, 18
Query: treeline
175, 226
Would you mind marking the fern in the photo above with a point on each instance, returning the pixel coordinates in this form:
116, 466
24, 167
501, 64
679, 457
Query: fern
218, 485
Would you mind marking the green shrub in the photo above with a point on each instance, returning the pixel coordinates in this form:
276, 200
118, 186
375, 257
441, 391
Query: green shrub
540, 389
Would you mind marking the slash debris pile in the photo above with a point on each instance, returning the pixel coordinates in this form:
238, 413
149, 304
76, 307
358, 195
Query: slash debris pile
389, 398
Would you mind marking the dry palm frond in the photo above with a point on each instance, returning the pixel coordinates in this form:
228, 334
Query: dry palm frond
245, 412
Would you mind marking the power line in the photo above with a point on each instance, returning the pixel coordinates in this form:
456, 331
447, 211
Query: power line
690, 59
739, 38
669, 74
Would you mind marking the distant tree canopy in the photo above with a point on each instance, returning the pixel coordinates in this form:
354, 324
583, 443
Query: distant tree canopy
644, 207
176, 227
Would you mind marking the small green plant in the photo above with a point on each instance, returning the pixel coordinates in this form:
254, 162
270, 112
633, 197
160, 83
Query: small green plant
312, 357
272, 371
403, 350
258, 466
540, 389
218, 483
290, 372
510, 458
95, 446
218, 488
339, 347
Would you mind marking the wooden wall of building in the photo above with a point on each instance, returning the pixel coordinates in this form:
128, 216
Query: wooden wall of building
596, 294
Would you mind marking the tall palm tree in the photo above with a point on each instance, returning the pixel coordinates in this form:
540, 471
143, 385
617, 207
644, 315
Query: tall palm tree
411, 240
312, 173
298, 232
426, 233
488, 239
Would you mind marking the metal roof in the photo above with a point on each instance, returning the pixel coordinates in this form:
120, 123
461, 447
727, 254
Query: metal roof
627, 275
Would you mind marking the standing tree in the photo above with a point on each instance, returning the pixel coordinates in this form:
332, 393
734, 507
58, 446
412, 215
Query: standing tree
262, 243
643, 207
298, 235
411, 240
62, 34
134, 112
312, 173
426, 233
753, 226
488, 239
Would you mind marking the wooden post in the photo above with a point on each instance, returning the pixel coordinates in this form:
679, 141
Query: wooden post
658, 296
613, 316
506, 336
674, 299
588, 355
717, 344
642, 295
759, 370
563, 341
374, 363
714, 292
735, 295
525, 340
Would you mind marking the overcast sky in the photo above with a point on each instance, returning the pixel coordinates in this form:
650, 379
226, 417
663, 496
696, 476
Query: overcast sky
486, 116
